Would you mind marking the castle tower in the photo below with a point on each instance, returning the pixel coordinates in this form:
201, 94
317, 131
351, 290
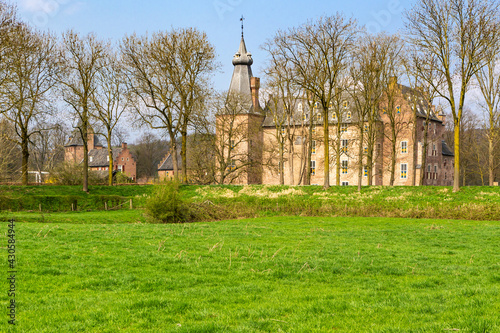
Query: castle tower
240, 127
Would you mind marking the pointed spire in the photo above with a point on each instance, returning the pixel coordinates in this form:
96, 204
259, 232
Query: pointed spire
242, 19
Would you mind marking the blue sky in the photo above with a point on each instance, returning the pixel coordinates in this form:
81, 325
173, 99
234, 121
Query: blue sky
111, 19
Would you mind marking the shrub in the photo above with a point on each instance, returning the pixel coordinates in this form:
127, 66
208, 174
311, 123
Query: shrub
166, 205
72, 174
121, 178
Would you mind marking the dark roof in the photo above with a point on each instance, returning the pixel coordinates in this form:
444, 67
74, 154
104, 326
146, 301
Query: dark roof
242, 61
299, 114
99, 157
76, 139
168, 163
422, 105
446, 150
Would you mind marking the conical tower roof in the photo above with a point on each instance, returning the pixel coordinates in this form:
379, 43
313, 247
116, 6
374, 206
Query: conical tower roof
242, 61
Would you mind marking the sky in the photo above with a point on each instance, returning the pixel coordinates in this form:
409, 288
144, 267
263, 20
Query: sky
220, 19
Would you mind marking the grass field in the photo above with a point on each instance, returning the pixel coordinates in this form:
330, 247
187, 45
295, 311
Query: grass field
289, 274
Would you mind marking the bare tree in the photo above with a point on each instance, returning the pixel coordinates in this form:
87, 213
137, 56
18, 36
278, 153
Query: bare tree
149, 151
234, 133
284, 100
27, 87
82, 58
148, 80
458, 33
191, 58
368, 87
319, 53
419, 65
169, 73
10, 154
391, 70
47, 147
110, 100
488, 79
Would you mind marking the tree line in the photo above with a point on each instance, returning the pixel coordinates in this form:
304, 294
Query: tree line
162, 81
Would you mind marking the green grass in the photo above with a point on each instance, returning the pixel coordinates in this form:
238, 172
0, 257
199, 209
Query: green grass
290, 274
231, 202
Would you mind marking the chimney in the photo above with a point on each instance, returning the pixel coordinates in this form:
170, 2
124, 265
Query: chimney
124, 145
255, 86
393, 81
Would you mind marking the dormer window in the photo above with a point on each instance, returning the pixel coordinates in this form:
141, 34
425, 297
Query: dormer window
345, 104
107, 158
90, 158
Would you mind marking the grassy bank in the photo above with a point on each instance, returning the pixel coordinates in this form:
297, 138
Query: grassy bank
225, 202
276, 274
65, 198
209, 203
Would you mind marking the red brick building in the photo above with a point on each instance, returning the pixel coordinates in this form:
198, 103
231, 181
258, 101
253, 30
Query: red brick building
123, 160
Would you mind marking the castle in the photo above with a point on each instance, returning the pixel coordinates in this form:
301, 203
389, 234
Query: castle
249, 139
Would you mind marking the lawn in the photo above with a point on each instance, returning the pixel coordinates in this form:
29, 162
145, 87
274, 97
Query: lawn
300, 274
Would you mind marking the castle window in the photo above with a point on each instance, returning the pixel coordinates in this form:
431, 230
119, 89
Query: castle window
365, 171
404, 170
232, 145
313, 130
313, 146
334, 116
345, 104
282, 131
349, 115
398, 109
404, 147
345, 183
313, 168
343, 128
344, 167
301, 108
316, 105
122, 158
232, 166
344, 144
384, 110
366, 128
365, 150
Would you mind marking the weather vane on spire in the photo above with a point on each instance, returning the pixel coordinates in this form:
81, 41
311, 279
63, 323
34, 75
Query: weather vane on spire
242, 19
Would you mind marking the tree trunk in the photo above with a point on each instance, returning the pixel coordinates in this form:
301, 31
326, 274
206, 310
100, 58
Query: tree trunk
326, 146
393, 157
337, 158
26, 154
183, 156
281, 165
424, 152
85, 139
110, 156
173, 153
290, 161
491, 160
360, 157
456, 176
